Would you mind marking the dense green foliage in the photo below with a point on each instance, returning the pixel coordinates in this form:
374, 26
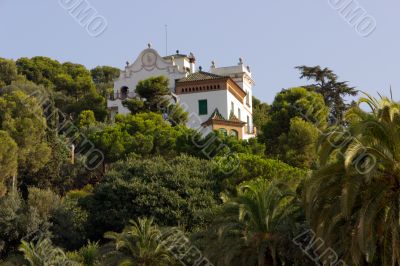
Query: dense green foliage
72, 84
257, 166
143, 133
304, 192
8, 160
22, 118
139, 241
359, 191
260, 113
281, 132
181, 192
154, 96
104, 74
8, 72
253, 227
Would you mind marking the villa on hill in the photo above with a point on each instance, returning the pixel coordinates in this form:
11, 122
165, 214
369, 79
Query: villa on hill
220, 99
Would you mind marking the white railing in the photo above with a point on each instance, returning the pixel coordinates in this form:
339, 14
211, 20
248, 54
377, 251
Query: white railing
251, 130
122, 96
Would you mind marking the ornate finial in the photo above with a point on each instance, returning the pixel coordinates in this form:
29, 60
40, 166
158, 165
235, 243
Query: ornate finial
173, 60
149, 45
240, 61
177, 51
213, 64
248, 69
200, 68
192, 59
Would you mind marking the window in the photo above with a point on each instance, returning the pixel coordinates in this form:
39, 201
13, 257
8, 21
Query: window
232, 108
234, 133
247, 98
203, 107
239, 114
124, 93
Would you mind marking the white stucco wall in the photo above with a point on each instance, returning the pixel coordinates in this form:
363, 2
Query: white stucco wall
244, 112
241, 75
148, 64
215, 99
183, 63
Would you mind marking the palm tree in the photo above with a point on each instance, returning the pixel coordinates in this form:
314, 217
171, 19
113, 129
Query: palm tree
88, 255
250, 226
43, 253
138, 244
353, 201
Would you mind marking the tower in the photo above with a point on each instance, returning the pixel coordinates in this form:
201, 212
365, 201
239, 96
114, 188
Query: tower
242, 75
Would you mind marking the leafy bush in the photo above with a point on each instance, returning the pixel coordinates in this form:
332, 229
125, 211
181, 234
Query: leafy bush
254, 166
181, 191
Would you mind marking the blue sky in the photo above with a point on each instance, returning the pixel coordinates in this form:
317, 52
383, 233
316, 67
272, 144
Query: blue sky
272, 36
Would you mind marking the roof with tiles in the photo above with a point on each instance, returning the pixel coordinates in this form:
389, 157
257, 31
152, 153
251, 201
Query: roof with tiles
201, 75
233, 117
217, 115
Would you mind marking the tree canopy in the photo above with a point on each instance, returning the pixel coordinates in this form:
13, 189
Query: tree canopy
333, 91
288, 107
307, 190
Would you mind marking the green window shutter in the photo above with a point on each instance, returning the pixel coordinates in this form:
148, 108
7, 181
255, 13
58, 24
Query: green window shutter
203, 107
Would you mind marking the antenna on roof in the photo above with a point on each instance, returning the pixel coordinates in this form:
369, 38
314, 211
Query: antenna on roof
166, 39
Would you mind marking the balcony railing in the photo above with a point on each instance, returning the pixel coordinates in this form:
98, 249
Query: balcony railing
251, 130
121, 96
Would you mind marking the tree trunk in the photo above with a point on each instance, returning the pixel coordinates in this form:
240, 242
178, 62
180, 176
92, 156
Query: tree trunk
14, 183
265, 259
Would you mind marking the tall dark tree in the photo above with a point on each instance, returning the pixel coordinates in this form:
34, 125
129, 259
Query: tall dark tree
22, 118
260, 113
71, 84
8, 71
104, 74
289, 104
8, 160
103, 77
333, 91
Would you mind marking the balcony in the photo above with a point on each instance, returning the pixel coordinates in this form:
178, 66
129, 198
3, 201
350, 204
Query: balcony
251, 130
121, 96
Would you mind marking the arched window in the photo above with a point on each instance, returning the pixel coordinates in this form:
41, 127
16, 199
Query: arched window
234, 133
223, 131
124, 92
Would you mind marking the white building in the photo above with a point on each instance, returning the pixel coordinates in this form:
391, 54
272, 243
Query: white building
220, 99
